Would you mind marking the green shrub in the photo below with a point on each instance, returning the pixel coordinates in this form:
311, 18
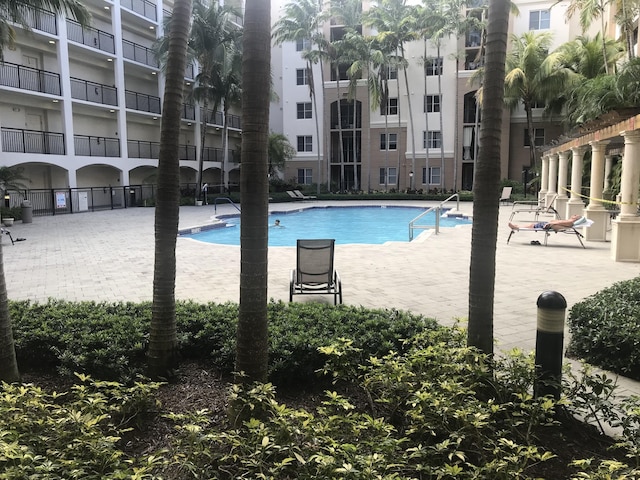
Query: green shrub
605, 329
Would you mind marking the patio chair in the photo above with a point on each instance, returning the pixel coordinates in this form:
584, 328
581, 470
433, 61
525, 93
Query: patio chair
314, 273
578, 225
506, 194
301, 195
293, 195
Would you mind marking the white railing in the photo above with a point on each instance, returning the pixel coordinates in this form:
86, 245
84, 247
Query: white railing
438, 210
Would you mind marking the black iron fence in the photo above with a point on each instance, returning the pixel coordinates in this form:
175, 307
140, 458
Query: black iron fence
27, 78
93, 92
36, 18
142, 102
143, 7
90, 36
138, 53
91, 146
32, 141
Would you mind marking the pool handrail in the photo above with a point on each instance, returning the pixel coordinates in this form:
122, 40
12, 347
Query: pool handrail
438, 210
227, 199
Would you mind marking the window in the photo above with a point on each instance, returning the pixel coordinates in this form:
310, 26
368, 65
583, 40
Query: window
392, 72
539, 19
305, 176
303, 44
432, 103
539, 137
304, 110
305, 143
391, 107
392, 144
301, 76
433, 66
433, 139
434, 176
388, 176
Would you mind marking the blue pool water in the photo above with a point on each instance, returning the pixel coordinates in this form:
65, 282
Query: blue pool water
359, 225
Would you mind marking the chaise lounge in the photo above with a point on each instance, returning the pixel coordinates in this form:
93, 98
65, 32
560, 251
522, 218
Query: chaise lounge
314, 273
579, 224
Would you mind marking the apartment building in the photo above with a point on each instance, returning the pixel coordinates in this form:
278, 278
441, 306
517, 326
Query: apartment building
81, 107
426, 137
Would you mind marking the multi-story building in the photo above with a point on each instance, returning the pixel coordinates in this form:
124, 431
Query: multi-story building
426, 137
81, 107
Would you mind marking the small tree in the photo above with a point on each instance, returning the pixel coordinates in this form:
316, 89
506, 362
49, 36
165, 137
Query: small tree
280, 151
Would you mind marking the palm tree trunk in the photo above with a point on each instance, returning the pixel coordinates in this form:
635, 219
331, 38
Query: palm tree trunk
162, 355
8, 364
252, 345
426, 121
340, 139
225, 145
316, 115
487, 187
442, 184
532, 133
203, 139
413, 137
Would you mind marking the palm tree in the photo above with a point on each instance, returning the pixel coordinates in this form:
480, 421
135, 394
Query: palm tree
584, 55
280, 151
162, 354
14, 11
627, 12
252, 346
532, 78
487, 183
588, 11
302, 21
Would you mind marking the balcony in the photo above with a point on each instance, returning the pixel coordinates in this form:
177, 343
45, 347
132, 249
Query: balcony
235, 122
213, 118
143, 149
187, 152
90, 146
143, 7
138, 53
190, 71
32, 141
27, 78
93, 92
90, 36
39, 19
188, 111
212, 154
142, 102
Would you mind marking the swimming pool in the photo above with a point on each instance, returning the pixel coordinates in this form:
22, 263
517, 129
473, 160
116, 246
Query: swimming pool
348, 225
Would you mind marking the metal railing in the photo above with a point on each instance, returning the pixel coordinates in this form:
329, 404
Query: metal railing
438, 210
225, 199
28, 78
138, 53
143, 149
32, 141
93, 92
188, 111
142, 102
38, 19
187, 152
90, 146
92, 37
143, 7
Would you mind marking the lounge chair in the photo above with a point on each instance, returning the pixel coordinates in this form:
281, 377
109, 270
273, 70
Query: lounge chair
301, 195
579, 224
293, 195
506, 194
7, 232
314, 273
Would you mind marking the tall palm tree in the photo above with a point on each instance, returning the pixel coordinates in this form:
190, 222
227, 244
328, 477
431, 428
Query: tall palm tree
532, 78
588, 11
302, 21
487, 183
252, 346
627, 12
162, 355
14, 11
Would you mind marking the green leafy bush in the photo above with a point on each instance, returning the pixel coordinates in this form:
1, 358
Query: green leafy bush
605, 329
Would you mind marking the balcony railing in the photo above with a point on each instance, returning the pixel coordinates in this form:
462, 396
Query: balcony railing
216, 118
143, 7
138, 53
32, 141
234, 121
142, 102
190, 71
90, 36
38, 19
212, 154
187, 152
188, 111
93, 92
27, 78
90, 146
143, 149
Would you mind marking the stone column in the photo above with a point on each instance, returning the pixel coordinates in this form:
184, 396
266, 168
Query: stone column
575, 204
595, 210
561, 201
608, 162
625, 234
552, 192
544, 181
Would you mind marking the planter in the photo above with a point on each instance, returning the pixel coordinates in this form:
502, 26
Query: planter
8, 222
198, 203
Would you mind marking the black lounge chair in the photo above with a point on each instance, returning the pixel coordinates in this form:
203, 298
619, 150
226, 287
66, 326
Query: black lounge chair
314, 273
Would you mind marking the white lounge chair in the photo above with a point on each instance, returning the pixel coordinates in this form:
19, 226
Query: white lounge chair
506, 194
579, 224
301, 195
293, 195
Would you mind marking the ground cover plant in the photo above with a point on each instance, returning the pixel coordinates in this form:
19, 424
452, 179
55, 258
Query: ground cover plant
605, 329
410, 401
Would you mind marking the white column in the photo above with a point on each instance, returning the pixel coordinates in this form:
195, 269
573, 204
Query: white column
67, 110
544, 180
553, 180
575, 204
595, 210
625, 234
608, 162
118, 73
563, 166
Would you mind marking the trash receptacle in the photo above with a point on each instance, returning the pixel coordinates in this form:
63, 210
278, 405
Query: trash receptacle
27, 211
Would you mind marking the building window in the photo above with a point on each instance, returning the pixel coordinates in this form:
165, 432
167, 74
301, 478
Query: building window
392, 144
539, 137
539, 20
433, 139
303, 44
433, 66
301, 76
434, 176
388, 176
305, 176
391, 108
304, 110
432, 103
392, 72
305, 143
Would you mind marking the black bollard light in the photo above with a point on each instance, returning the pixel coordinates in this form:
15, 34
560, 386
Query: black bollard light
549, 344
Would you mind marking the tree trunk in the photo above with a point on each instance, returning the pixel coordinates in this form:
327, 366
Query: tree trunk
203, 139
532, 134
163, 353
8, 363
442, 185
487, 186
426, 122
252, 335
413, 137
